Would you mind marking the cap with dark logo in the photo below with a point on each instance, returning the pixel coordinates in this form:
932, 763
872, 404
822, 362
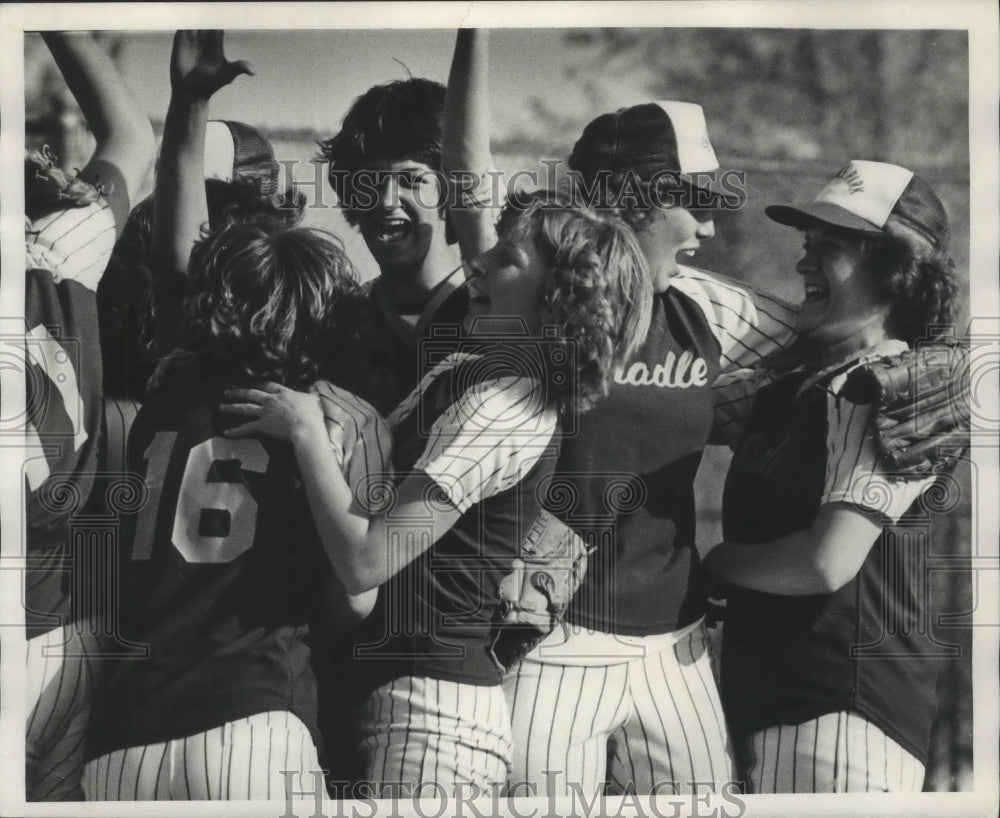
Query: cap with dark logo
860, 197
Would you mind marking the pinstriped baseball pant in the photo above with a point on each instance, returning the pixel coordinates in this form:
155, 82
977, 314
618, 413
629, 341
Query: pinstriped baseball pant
61, 677
837, 752
241, 760
660, 717
417, 731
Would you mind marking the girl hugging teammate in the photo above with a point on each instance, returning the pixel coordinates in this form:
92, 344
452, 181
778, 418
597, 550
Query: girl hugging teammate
474, 445
225, 568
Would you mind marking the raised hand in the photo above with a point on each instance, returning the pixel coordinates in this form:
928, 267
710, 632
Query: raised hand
198, 64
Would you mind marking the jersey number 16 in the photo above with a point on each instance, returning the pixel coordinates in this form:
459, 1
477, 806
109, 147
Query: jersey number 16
216, 514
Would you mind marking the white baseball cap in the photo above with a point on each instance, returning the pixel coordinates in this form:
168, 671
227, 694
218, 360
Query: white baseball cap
654, 137
860, 197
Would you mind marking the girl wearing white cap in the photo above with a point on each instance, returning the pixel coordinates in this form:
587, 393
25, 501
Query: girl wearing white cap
635, 675
828, 677
630, 694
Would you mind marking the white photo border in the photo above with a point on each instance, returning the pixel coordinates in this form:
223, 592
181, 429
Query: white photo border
978, 17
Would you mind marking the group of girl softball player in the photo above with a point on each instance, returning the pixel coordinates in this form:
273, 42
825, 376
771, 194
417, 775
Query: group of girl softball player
313, 574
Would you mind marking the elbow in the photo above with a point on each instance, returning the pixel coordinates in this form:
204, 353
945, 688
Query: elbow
360, 605
358, 580
829, 576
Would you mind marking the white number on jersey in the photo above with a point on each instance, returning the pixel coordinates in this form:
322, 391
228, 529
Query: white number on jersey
48, 355
216, 515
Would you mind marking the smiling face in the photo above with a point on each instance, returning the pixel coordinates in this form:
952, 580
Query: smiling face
673, 233
510, 280
405, 220
842, 306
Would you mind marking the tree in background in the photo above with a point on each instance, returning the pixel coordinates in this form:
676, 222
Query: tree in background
776, 93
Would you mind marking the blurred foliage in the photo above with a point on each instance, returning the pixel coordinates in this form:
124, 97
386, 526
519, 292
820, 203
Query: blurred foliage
780, 94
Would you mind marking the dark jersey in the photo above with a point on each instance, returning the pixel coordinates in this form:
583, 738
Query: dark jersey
788, 659
488, 444
66, 254
626, 473
222, 571
399, 354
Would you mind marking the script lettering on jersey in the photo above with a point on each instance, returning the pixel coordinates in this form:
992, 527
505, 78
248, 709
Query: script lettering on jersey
678, 373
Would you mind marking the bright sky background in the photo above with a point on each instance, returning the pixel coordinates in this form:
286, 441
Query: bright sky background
308, 79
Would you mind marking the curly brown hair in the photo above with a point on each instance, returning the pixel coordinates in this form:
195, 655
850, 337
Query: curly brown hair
130, 316
912, 264
599, 297
273, 302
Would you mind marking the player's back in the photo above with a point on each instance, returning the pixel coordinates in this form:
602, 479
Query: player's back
221, 571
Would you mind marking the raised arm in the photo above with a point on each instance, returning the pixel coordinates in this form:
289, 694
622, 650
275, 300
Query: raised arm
466, 157
198, 68
122, 129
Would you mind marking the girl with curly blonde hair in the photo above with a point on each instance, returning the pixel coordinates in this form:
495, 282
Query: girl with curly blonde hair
560, 300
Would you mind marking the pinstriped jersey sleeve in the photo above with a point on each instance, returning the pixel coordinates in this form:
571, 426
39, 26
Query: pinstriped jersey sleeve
733, 395
487, 440
853, 474
748, 324
358, 432
72, 244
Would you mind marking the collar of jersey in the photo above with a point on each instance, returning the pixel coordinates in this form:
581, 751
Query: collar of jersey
412, 332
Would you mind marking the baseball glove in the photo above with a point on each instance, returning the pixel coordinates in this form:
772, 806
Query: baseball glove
551, 565
921, 398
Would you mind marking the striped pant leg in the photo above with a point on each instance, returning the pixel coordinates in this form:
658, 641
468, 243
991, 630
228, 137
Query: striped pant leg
61, 679
676, 738
561, 717
837, 752
242, 760
419, 735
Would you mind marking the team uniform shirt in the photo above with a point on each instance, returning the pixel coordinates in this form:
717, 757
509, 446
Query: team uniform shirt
788, 659
487, 443
66, 254
402, 354
223, 567
627, 467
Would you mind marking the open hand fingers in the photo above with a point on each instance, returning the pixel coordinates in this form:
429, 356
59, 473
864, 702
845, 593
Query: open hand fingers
244, 395
244, 430
252, 410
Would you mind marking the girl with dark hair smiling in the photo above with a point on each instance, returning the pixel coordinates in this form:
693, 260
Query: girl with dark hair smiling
828, 683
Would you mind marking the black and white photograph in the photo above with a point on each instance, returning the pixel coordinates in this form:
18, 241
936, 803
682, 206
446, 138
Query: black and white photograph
500, 409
